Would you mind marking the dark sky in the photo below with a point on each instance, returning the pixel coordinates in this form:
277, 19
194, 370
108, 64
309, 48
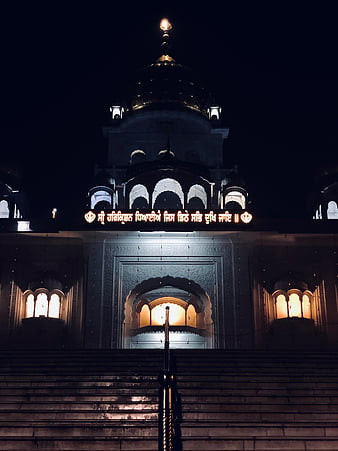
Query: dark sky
272, 65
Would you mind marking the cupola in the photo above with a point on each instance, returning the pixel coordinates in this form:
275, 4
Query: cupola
166, 84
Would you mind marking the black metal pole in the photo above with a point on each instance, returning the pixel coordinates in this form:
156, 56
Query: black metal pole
166, 341
166, 405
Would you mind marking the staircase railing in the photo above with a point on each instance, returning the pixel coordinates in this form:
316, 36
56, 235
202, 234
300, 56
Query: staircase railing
167, 395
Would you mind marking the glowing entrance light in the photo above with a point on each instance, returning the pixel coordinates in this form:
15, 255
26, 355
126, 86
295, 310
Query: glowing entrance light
176, 314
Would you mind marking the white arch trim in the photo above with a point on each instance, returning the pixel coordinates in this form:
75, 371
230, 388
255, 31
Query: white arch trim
99, 196
332, 210
4, 210
168, 185
138, 191
235, 196
198, 191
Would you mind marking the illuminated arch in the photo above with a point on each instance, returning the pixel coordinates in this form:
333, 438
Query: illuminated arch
235, 196
293, 303
170, 185
144, 316
199, 192
136, 192
193, 312
4, 209
332, 210
137, 156
102, 197
177, 309
153, 313
43, 302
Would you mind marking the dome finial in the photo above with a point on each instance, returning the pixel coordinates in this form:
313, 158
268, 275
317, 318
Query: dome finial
165, 26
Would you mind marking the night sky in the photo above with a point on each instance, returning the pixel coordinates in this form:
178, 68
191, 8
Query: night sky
272, 67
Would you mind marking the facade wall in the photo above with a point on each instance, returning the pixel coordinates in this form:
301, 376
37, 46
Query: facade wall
104, 274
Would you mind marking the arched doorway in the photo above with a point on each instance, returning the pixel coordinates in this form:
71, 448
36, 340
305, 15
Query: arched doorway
189, 314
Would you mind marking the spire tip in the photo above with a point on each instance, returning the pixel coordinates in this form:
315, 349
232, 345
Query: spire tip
165, 24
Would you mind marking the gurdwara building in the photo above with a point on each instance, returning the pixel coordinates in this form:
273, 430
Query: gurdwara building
166, 223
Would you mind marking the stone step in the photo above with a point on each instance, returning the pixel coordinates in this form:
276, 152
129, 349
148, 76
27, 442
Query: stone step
80, 444
244, 415
111, 397
93, 415
150, 358
146, 366
149, 429
191, 380
45, 406
115, 429
205, 408
109, 400
51, 398
188, 415
235, 443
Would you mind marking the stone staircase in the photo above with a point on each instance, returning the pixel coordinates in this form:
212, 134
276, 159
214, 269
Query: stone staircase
227, 400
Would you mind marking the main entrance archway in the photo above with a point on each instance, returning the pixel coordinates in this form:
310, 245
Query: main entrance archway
189, 314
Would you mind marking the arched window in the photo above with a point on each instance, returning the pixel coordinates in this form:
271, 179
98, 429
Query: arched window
197, 191
191, 316
144, 316
168, 200
4, 210
171, 193
332, 210
281, 306
138, 197
30, 306
234, 197
292, 304
42, 302
101, 199
41, 305
181, 313
54, 306
137, 156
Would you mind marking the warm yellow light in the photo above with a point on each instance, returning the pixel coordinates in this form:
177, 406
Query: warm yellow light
306, 307
165, 25
144, 316
281, 306
41, 305
54, 306
176, 314
295, 309
30, 306
191, 316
